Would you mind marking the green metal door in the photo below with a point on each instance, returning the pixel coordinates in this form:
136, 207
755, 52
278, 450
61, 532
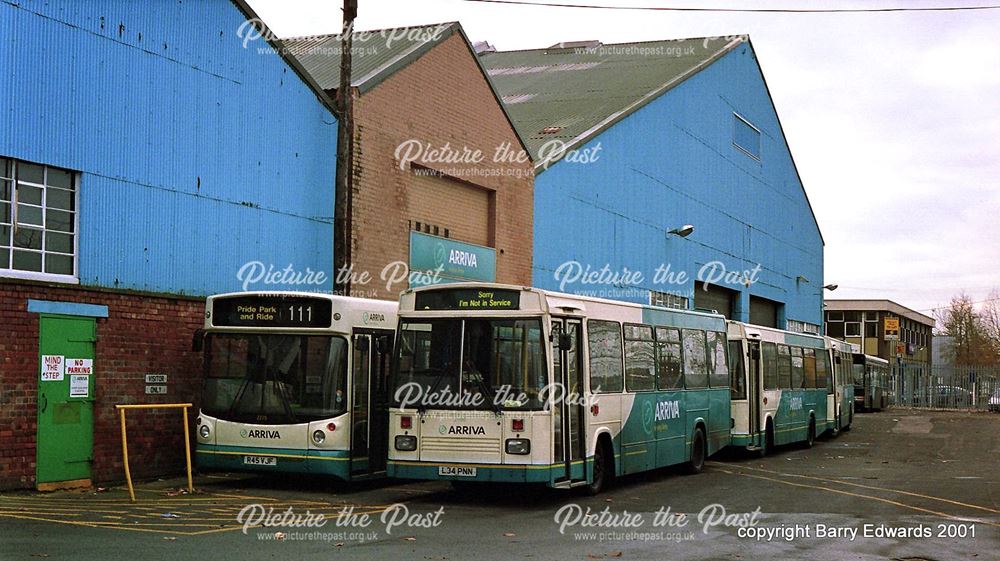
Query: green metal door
65, 440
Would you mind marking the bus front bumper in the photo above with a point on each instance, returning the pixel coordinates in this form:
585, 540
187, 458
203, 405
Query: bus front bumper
210, 457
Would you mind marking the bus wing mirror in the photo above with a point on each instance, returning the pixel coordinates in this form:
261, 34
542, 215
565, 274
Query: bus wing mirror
382, 345
755, 354
565, 342
198, 341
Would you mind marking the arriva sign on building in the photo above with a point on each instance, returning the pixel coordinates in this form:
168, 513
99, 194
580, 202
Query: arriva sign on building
463, 258
457, 261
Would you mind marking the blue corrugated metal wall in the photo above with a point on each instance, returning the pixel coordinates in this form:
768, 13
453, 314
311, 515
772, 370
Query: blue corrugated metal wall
197, 154
673, 163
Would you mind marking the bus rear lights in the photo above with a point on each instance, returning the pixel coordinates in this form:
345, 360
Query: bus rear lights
204, 431
406, 443
517, 425
765, 401
319, 436
518, 446
406, 422
331, 427
595, 409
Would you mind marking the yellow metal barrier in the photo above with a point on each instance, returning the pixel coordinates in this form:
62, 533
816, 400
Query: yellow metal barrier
187, 438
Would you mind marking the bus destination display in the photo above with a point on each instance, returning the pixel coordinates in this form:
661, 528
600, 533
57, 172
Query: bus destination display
471, 299
272, 311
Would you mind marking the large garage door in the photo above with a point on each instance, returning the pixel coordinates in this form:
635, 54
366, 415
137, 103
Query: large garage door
763, 312
715, 298
463, 209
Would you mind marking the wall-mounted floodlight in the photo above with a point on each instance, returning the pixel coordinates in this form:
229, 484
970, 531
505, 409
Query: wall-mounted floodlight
684, 231
831, 287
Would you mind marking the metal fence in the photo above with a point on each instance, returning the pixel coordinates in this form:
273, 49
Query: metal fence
946, 387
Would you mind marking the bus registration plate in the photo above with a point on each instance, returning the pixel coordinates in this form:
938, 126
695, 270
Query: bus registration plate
260, 461
457, 471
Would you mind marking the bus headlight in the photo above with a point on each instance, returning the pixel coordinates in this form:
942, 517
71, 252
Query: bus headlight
519, 446
319, 436
406, 443
204, 431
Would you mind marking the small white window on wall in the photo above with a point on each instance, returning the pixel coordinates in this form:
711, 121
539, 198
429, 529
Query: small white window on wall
667, 300
746, 137
37, 221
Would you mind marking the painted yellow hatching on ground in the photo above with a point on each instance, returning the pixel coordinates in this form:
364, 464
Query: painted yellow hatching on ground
189, 515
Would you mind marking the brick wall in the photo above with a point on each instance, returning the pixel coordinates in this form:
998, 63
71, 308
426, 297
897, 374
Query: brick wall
440, 98
143, 334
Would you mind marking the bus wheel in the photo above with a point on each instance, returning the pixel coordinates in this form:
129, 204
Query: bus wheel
811, 433
697, 462
604, 468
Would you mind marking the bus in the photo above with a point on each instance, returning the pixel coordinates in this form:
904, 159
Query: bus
782, 383
513, 384
295, 383
842, 414
871, 382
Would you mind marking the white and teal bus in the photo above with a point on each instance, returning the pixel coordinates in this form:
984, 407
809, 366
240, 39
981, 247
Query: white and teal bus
842, 414
871, 382
295, 382
512, 384
783, 387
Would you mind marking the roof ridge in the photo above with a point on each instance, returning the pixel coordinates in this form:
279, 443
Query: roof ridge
324, 36
676, 40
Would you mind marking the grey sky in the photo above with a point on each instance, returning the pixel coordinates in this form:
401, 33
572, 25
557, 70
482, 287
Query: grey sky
893, 118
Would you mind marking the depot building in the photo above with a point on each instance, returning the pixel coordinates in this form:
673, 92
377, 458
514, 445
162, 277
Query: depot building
663, 176
166, 175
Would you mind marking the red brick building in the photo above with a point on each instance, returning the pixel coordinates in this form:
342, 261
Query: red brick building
435, 154
135, 333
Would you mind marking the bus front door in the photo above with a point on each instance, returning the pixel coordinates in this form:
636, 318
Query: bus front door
754, 392
370, 402
569, 419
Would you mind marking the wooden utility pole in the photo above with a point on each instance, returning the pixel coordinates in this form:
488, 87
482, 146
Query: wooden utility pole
342, 239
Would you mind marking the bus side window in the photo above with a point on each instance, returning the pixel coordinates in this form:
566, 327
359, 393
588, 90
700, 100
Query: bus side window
770, 363
640, 362
695, 359
669, 373
797, 371
737, 377
823, 374
784, 367
605, 340
809, 365
718, 367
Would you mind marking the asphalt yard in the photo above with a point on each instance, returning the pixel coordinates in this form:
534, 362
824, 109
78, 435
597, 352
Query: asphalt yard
903, 484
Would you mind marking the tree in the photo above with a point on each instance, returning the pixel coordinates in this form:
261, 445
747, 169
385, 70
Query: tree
990, 314
975, 334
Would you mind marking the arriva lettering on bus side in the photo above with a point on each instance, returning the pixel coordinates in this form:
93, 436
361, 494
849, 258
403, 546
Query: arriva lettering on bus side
666, 410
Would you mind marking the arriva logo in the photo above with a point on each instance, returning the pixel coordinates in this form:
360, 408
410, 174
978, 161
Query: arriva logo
795, 404
463, 258
666, 410
259, 433
369, 318
463, 430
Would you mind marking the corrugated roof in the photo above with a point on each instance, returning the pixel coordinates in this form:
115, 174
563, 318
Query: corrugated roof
377, 54
573, 91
